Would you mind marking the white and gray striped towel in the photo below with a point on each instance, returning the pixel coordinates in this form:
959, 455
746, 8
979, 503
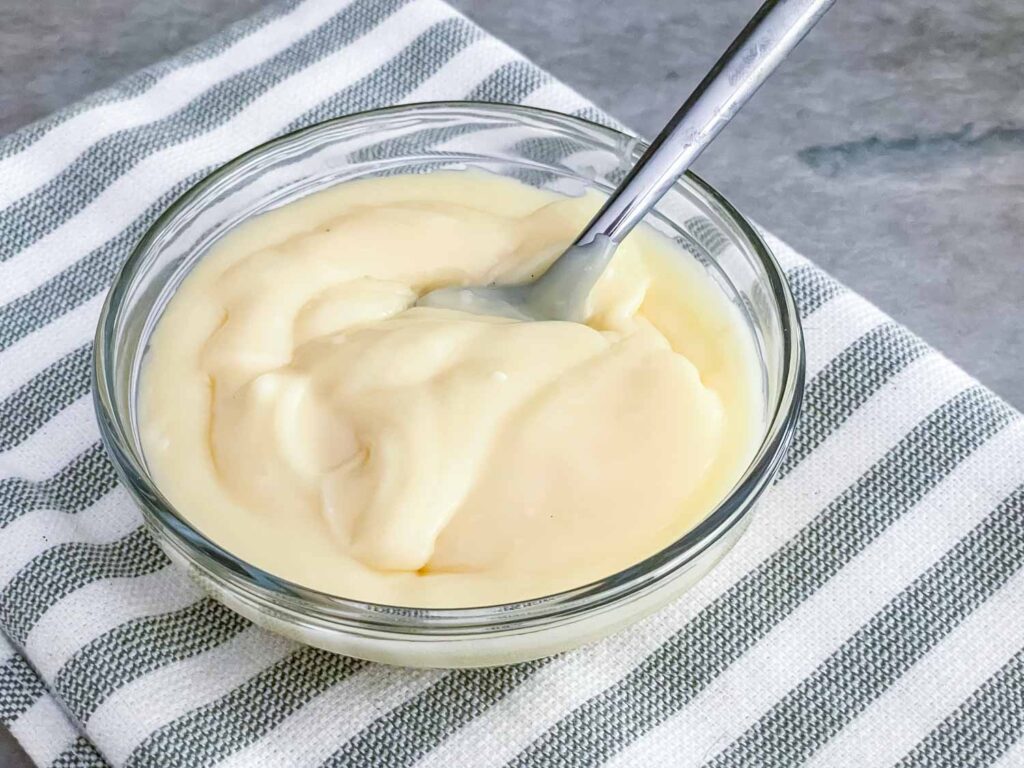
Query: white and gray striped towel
872, 615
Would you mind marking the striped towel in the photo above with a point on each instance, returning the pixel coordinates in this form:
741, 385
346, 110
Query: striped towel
872, 615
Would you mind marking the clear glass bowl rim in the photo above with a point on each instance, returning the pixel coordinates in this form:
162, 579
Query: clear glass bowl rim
272, 592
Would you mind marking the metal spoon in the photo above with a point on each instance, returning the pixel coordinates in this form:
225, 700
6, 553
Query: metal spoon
561, 292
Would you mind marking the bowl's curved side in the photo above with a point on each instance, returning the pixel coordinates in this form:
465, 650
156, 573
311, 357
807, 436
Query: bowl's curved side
391, 633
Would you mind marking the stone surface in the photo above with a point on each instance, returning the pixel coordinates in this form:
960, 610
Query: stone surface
11, 754
890, 148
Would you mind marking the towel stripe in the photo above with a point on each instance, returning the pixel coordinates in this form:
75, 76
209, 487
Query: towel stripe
20, 687
110, 518
81, 754
811, 288
400, 76
44, 396
510, 83
139, 647
406, 734
59, 571
211, 733
76, 486
668, 679
86, 277
703, 230
847, 382
983, 728
907, 628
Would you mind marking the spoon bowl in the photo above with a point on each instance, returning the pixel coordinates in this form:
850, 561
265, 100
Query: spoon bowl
558, 294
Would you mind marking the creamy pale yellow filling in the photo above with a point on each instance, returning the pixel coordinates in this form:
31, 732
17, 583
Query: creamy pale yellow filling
300, 411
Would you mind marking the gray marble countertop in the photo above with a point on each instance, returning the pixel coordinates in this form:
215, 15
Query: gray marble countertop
890, 148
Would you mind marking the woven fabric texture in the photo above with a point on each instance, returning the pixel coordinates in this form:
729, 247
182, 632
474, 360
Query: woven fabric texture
873, 614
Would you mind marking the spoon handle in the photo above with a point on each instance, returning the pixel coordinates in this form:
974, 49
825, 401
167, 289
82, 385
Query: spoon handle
762, 45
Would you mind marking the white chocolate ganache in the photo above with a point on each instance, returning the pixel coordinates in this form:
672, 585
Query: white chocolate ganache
300, 411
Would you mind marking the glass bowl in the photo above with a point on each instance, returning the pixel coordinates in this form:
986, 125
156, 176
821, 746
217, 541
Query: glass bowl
543, 149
